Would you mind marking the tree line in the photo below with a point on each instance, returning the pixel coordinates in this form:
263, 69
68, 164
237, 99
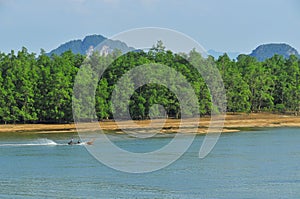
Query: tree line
39, 89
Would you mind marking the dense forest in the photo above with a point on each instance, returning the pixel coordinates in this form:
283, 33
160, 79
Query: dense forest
39, 88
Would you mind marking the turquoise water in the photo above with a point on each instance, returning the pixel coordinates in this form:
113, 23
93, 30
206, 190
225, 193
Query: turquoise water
256, 164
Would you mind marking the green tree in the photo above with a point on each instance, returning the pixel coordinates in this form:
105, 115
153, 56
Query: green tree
260, 82
237, 90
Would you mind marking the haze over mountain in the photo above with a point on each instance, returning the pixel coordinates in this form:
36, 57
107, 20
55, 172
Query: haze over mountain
89, 43
217, 54
266, 51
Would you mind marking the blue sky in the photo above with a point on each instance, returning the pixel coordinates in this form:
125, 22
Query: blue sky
231, 25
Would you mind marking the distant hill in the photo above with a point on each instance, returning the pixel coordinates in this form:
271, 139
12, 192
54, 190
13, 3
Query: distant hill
217, 54
266, 51
89, 43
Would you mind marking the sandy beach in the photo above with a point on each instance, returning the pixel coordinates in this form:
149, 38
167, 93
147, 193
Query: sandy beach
233, 123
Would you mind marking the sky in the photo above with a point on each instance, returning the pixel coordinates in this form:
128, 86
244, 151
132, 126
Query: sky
226, 26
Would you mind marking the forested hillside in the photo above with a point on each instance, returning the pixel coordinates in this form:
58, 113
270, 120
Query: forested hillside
90, 42
40, 88
265, 51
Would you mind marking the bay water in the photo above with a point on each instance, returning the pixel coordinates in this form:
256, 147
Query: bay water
263, 163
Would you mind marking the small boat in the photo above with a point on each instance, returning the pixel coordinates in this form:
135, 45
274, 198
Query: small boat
72, 142
78, 142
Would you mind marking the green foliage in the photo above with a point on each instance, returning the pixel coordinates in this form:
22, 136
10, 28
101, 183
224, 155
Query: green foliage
40, 88
237, 90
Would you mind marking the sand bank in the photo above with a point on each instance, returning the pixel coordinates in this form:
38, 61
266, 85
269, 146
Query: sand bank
233, 123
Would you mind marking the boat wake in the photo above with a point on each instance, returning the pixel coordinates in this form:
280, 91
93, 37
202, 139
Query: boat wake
39, 142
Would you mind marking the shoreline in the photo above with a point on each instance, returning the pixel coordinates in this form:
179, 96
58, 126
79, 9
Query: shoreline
233, 123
